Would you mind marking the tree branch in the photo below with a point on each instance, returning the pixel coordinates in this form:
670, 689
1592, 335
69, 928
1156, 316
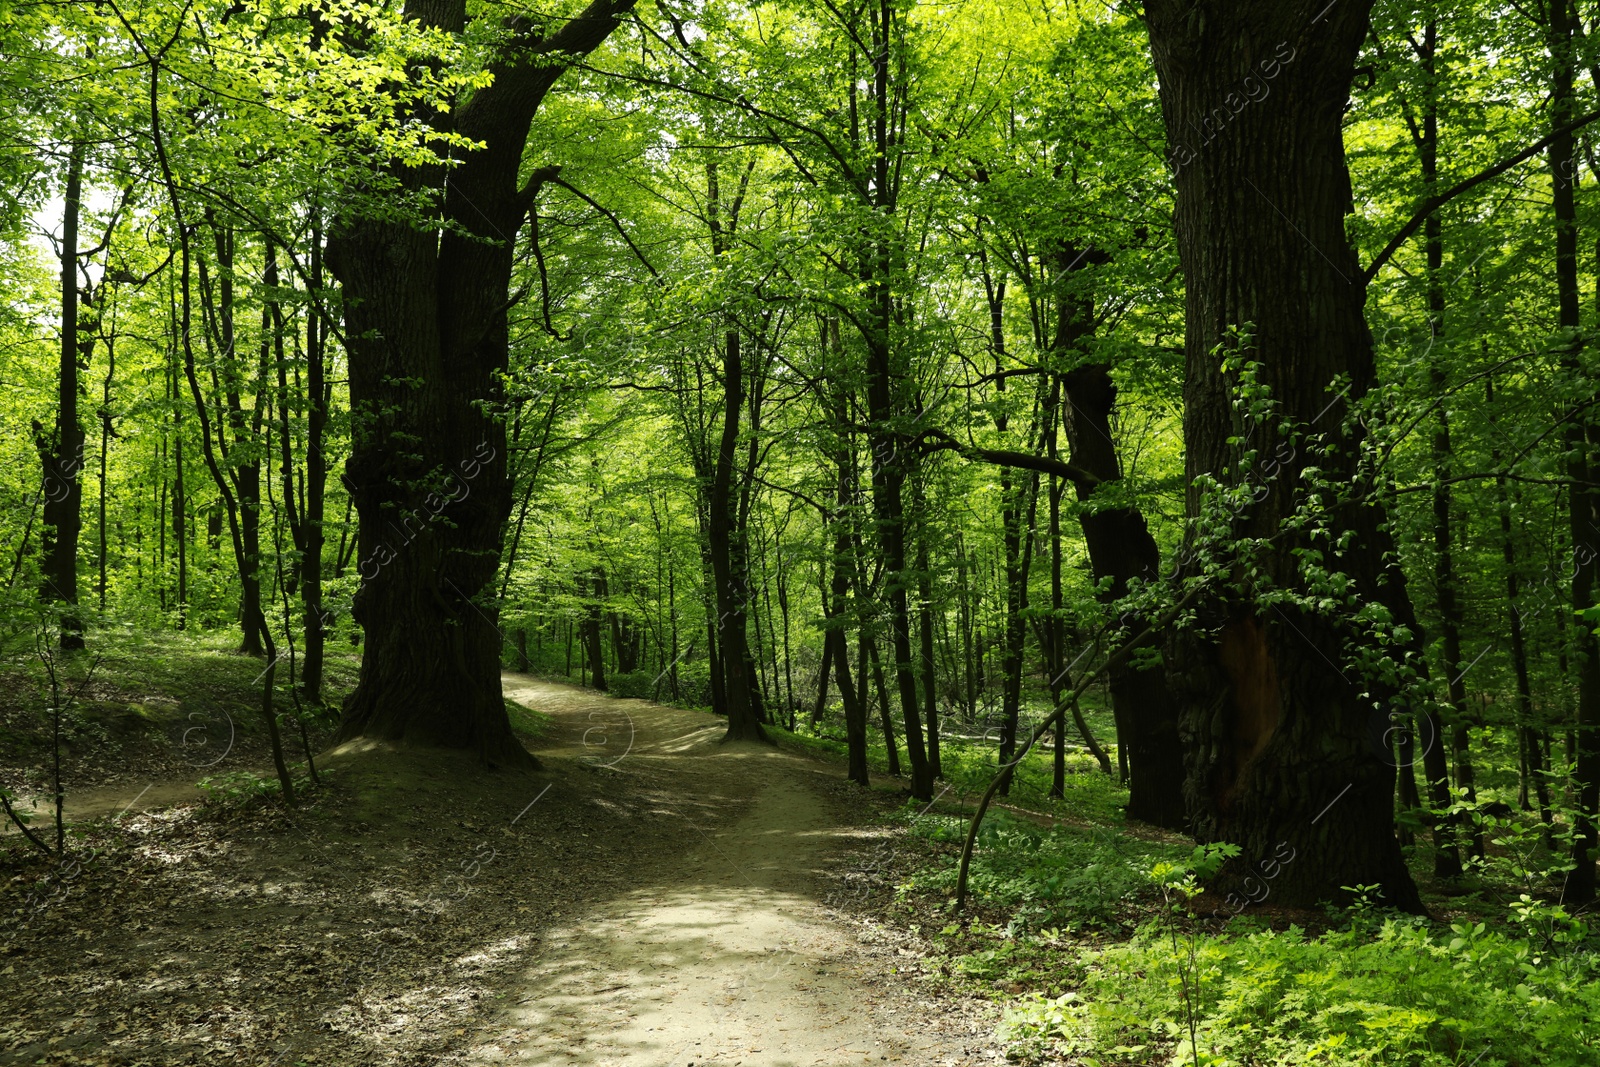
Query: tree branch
1434, 203
943, 442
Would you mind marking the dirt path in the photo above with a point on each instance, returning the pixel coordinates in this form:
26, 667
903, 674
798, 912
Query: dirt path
647, 898
728, 955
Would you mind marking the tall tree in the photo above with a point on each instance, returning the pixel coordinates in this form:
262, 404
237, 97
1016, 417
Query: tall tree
62, 451
1284, 753
1582, 439
425, 306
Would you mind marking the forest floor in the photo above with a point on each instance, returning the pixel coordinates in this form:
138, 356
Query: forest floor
649, 897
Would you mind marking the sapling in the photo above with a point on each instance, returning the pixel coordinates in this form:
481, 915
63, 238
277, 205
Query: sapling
1180, 883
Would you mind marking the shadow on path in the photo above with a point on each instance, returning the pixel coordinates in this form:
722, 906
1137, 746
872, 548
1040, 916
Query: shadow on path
725, 954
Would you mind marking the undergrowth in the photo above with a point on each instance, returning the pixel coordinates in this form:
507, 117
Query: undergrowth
1403, 994
1083, 934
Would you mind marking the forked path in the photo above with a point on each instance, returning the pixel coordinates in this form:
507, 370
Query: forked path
727, 956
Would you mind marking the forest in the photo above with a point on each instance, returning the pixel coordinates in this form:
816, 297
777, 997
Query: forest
800, 532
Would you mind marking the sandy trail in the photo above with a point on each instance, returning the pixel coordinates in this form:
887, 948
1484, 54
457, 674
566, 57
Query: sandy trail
728, 956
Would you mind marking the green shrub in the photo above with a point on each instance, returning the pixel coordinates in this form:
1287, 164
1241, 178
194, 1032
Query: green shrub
636, 685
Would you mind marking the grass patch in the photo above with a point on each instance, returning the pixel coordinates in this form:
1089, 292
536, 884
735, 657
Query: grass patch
529, 724
1048, 877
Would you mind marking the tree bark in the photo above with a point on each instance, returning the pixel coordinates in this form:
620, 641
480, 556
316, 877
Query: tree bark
1055, 632
240, 457
593, 645
1276, 733
319, 397
426, 318
62, 452
930, 704
869, 653
727, 559
1583, 447
1121, 548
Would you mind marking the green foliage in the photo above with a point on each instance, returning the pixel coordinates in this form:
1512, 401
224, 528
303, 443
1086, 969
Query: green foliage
639, 685
1402, 996
237, 790
1049, 876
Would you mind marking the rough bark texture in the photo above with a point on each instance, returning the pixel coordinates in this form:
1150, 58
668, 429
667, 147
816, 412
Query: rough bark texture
1276, 732
425, 314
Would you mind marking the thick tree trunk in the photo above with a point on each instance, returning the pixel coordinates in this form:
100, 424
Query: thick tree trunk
1276, 733
1056, 632
1120, 548
425, 315
1583, 456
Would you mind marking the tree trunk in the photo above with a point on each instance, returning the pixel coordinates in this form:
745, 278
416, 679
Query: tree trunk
783, 614
1056, 631
850, 695
1276, 734
925, 668
1121, 548
1583, 447
969, 611
819, 705
1011, 536
180, 507
240, 457
62, 452
319, 396
593, 646
107, 433
1532, 736
728, 558
426, 322
869, 653
886, 400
